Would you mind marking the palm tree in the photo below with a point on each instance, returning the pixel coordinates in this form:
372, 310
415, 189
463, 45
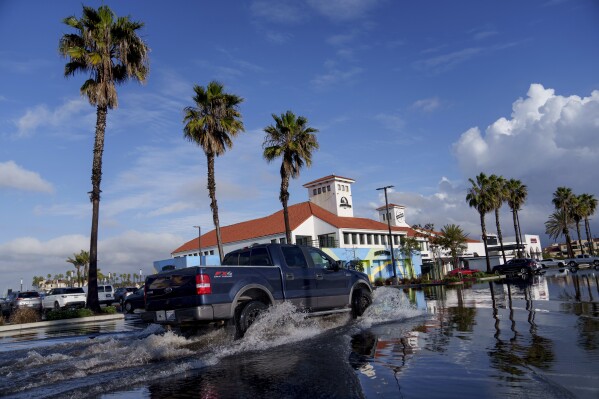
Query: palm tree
453, 239
109, 51
211, 123
589, 207
499, 195
577, 211
79, 260
563, 198
291, 139
558, 224
516, 196
479, 198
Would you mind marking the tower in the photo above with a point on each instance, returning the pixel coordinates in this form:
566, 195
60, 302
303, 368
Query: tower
396, 213
332, 193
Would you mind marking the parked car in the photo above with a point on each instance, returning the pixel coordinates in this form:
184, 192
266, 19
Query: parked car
3, 306
24, 299
462, 271
59, 298
518, 266
586, 259
105, 294
135, 301
122, 292
550, 262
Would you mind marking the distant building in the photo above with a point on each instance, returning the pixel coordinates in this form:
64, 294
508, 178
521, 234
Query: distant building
560, 250
325, 221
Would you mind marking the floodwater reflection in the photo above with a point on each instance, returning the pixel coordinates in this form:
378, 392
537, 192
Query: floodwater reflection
533, 337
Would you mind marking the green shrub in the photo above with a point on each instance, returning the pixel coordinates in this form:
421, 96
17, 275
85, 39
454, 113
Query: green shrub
25, 315
2, 321
379, 282
68, 314
109, 310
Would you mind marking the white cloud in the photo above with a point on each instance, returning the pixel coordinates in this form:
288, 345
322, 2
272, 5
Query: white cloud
61, 120
427, 104
279, 11
447, 61
16, 177
335, 76
343, 10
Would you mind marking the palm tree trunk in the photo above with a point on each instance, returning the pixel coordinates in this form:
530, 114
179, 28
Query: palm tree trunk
484, 231
499, 234
579, 240
516, 232
590, 242
213, 204
92, 285
284, 197
519, 229
569, 243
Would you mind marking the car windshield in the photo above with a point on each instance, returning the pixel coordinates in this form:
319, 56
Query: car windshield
32, 294
74, 291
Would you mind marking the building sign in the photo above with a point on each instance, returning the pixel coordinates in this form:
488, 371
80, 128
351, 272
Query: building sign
533, 240
382, 253
344, 203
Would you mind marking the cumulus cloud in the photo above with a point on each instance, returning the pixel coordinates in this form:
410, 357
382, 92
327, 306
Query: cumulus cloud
549, 140
15, 177
127, 253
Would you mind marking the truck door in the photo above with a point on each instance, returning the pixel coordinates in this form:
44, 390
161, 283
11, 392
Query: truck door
332, 283
299, 279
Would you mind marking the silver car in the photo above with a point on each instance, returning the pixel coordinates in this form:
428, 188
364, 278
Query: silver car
24, 299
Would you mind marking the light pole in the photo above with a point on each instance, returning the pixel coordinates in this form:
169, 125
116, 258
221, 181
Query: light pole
140, 281
389, 226
199, 242
21, 284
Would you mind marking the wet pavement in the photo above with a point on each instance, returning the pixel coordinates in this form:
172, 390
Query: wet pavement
531, 338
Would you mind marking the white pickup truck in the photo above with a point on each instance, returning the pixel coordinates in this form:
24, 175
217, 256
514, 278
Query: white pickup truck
59, 298
574, 263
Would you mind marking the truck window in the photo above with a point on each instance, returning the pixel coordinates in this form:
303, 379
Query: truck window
294, 257
244, 258
260, 257
230, 259
320, 260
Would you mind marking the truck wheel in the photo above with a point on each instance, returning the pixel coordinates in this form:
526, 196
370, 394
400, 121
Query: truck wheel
246, 314
596, 263
360, 301
128, 307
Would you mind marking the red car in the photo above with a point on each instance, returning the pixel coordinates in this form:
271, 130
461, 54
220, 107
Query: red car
461, 271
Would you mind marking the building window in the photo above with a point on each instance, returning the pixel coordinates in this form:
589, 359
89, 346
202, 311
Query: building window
354, 238
346, 239
376, 239
361, 239
314, 192
329, 187
282, 240
369, 239
319, 190
273, 241
384, 217
396, 240
339, 187
212, 252
383, 240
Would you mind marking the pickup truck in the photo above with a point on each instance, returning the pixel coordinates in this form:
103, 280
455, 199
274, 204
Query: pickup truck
574, 263
251, 279
59, 298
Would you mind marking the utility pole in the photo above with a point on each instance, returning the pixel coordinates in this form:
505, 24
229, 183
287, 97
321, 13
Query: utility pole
390, 236
199, 242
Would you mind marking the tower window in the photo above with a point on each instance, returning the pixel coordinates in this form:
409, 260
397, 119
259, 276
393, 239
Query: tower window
314, 192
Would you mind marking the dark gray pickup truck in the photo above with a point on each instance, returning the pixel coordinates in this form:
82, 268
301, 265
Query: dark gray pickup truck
250, 280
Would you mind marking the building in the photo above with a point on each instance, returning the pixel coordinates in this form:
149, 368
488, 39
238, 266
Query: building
325, 221
560, 250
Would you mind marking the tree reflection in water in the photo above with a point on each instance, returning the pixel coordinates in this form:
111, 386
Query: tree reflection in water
512, 357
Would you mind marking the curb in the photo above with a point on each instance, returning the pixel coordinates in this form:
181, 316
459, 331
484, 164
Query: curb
79, 320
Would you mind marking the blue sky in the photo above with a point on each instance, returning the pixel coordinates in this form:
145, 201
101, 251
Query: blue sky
421, 95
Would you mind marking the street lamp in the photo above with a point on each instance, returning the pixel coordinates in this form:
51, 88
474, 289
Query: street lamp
21, 284
389, 226
199, 242
140, 276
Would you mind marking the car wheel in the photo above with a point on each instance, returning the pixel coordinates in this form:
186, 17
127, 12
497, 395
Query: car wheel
596, 263
497, 272
245, 315
360, 301
129, 307
572, 264
56, 306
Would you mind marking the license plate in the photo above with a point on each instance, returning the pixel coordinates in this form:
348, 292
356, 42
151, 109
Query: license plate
108, 295
165, 315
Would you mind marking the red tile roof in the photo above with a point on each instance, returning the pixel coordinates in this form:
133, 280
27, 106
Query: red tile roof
274, 224
329, 177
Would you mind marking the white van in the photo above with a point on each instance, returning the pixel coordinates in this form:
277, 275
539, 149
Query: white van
105, 294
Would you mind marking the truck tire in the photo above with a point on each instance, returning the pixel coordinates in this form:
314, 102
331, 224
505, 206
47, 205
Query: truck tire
596, 263
246, 314
360, 301
129, 307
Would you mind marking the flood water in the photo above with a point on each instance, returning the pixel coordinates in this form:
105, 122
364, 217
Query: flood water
536, 338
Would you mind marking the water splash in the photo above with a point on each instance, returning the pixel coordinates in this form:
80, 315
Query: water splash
388, 304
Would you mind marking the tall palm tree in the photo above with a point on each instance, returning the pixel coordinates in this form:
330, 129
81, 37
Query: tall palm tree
211, 123
453, 239
563, 198
589, 208
294, 141
516, 196
558, 224
499, 195
577, 212
479, 198
109, 51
